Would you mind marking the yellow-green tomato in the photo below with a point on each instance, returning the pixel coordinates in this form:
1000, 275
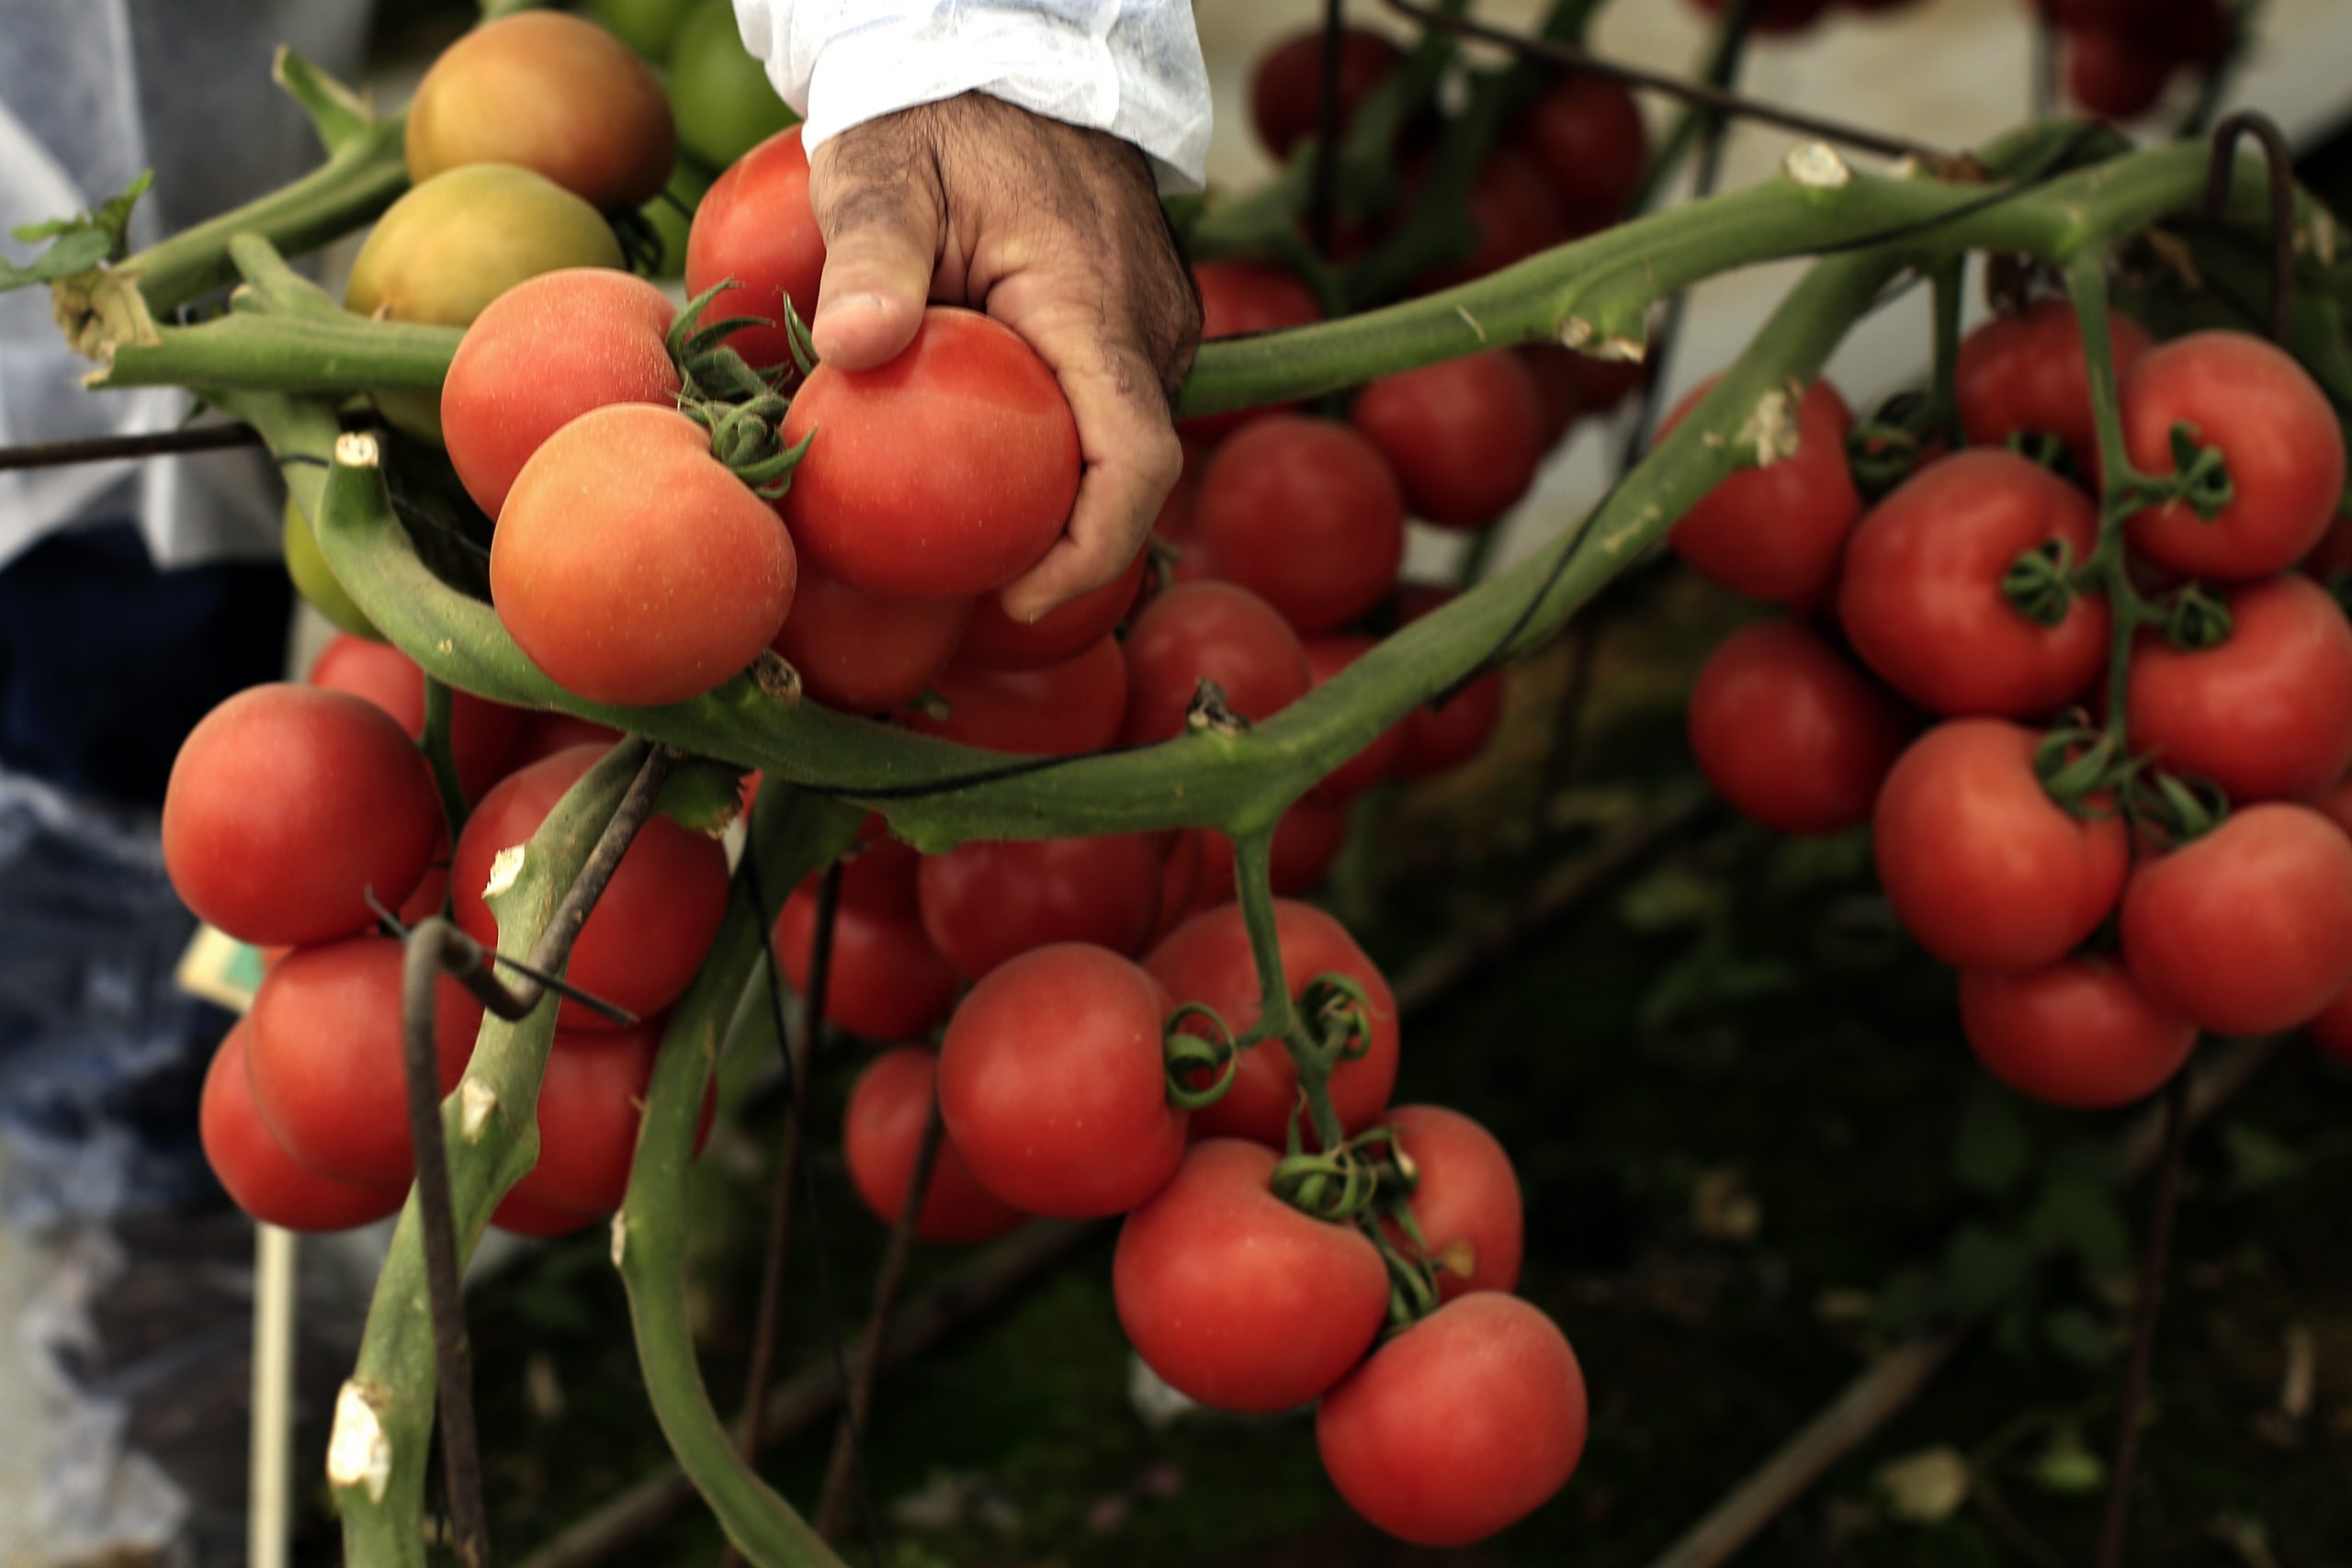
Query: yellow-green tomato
724, 102
459, 241
649, 27
552, 94
316, 582
672, 214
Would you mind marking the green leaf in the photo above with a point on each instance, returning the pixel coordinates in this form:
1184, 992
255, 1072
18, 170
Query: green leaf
2080, 1334
2068, 1468
2078, 1216
1983, 1270
1991, 1151
2256, 1159
82, 241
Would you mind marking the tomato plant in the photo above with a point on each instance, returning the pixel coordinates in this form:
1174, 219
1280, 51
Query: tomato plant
2078, 1033
646, 935
1235, 1297
1207, 961
1464, 1423
1209, 631
1060, 710
1072, 1120
724, 102
1923, 597
540, 355
1981, 864
1287, 87
1238, 299
265, 1181
994, 640
985, 903
1465, 1199
620, 612
756, 227
1464, 436
549, 93
868, 652
2024, 375
1791, 734
482, 735
289, 808
886, 981
888, 1108
1776, 531
1587, 133
1306, 514
946, 473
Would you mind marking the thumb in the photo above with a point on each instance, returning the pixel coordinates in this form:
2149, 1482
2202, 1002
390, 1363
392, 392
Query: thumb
882, 234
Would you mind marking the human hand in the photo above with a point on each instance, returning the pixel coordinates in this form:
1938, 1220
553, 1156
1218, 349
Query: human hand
1056, 232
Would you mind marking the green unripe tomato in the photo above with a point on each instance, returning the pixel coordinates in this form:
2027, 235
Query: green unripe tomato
459, 241
315, 581
722, 98
687, 184
649, 27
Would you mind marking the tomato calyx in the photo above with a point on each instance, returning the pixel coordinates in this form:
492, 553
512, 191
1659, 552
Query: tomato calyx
1369, 1183
2200, 475
1888, 448
2172, 810
2041, 584
2083, 770
711, 371
2193, 619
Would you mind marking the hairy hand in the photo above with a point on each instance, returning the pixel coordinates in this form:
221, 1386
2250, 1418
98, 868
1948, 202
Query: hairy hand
1055, 230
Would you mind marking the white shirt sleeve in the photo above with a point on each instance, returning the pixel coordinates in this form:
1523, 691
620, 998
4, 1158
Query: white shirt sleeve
1131, 68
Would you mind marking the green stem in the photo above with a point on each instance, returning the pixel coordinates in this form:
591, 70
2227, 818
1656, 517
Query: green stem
285, 354
792, 834
1948, 280
2119, 485
439, 709
1278, 1016
377, 1455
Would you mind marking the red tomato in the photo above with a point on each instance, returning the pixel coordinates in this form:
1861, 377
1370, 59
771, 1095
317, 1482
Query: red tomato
886, 980
1559, 391
517, 1215
1921, 597
553, 94
325, 1057
1062, 710
889, 1106
2278, 435
1306, 841
482, 734
2332, 1030
994, 640
2247, 930
986, 902
880, 876
546, 733
1514, 214
1209, 631
1208, 960
2267, 714
1980, 863
942, 474
1326, 657
1463, 436
1776, 531
2109, 73
1237, 299
862, 651
2076, 1033
591, 1100
1306, 514
1286, 89
1073, 1120
287, 805
646, 935
1236, 1298
264, 1181
1586, 132
1790, 734
543, 354
755, 225
1445, 733
2025, 375
1466, 1202
1467, 1422
619, 612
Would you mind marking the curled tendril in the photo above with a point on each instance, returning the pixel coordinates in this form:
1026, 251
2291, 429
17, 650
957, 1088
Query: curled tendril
1188, 1055
2173, 809
1330, 1185
2082, 769
1337, 1010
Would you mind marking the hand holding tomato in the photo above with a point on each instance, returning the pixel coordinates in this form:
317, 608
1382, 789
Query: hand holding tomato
1056, 231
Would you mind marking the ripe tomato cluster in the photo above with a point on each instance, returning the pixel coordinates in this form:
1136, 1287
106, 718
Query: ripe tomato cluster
1947, 673
2120, 54
289, 808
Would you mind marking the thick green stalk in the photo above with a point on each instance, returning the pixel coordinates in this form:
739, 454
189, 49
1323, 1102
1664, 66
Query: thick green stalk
2107, 569
1278, 1023
792, 834
383, 1422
